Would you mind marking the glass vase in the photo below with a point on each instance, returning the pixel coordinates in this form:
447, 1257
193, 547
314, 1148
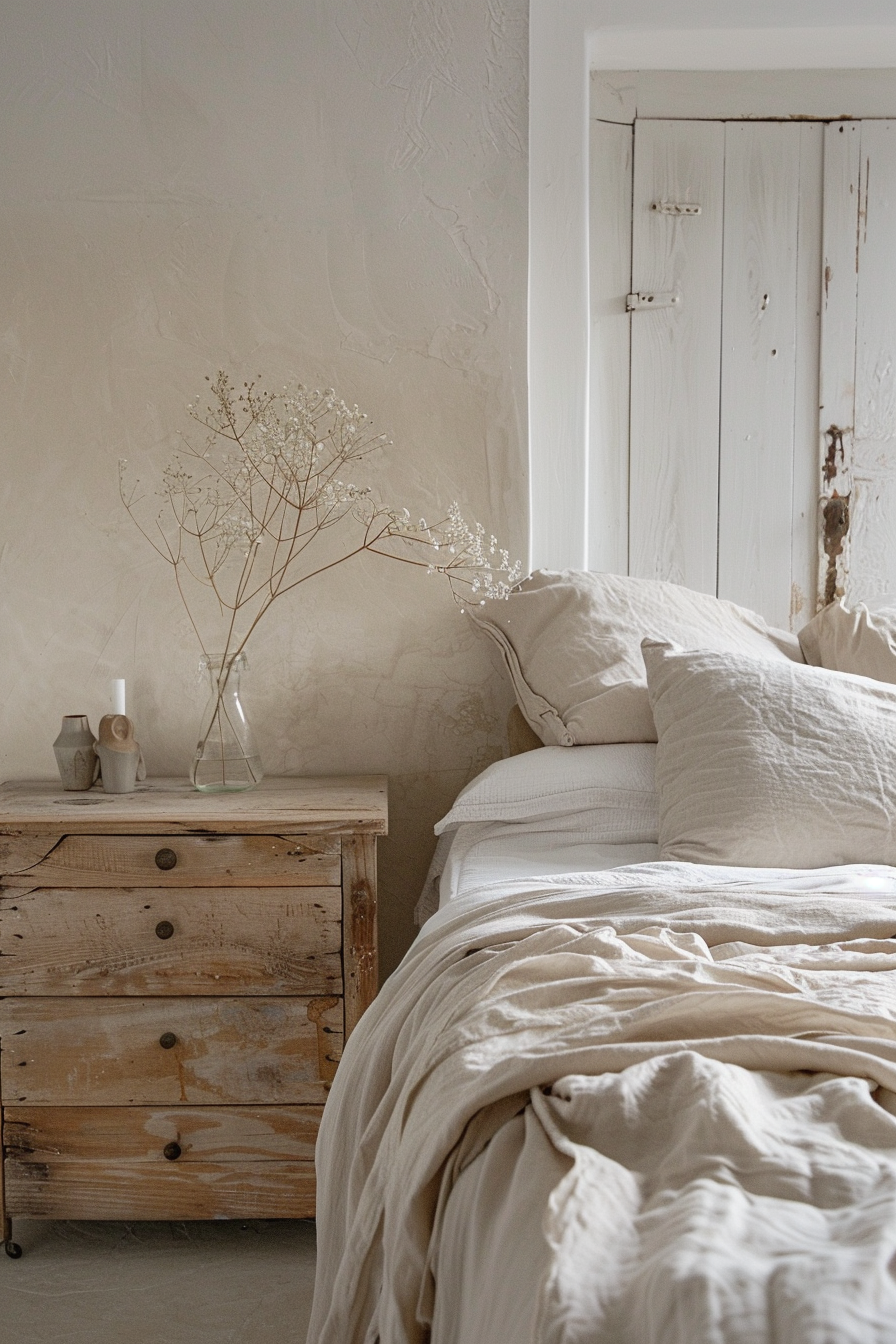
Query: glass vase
226, 757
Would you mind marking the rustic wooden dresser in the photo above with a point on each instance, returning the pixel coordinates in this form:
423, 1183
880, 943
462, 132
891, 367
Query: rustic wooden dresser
178, 972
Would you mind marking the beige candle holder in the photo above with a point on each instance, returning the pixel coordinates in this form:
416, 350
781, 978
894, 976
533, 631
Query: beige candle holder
121, 759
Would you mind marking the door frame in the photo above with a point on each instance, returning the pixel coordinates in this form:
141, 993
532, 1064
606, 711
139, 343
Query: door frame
566, 42
621, 98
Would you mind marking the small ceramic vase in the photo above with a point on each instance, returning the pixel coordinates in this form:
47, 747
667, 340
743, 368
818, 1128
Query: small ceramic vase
75, 753
120, 756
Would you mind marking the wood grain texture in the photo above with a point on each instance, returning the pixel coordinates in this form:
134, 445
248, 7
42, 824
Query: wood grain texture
281, 805
113, 1188
141, 1133
22, 850
610, 244
5, 1225
108, 1052
201, 861
804, 525
197, 1007
871, 572
228, 941
360, 963
759, 330
676, 354
840, 229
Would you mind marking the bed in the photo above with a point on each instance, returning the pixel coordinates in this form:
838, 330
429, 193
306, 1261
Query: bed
635, 1081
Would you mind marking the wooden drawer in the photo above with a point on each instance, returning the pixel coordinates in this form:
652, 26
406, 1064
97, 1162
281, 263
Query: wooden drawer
142, 941
111, 1161
172, 1190
141, 1133
185, 861
120, 1052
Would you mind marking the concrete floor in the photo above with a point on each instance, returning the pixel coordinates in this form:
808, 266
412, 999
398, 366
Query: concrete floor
158, 1283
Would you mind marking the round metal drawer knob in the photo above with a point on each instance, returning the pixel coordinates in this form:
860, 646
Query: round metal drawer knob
164, 928
172, 1151
167, 1040
165, 859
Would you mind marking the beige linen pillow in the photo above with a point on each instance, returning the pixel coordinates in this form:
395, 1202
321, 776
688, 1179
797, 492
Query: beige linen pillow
859, 641
571, 640
771, 765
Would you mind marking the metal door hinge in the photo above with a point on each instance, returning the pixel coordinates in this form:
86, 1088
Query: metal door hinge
649, 299
676, 208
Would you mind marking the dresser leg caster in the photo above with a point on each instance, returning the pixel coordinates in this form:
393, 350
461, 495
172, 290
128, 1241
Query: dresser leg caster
12, 1249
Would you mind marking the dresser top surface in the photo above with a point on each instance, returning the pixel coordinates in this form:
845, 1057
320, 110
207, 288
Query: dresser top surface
335, 803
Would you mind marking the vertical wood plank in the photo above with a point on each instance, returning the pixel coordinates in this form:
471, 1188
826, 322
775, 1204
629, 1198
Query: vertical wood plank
804, 538
676, 354
839, 278
871, 574
610, 242
5, 1224
359, 931
759, 331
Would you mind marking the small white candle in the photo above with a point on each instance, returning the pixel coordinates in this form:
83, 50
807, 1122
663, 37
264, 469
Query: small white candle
118, 700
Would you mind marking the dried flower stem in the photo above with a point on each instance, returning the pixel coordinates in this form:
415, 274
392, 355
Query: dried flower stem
240, 513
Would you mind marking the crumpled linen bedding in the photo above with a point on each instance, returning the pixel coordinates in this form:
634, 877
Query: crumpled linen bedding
656, 1105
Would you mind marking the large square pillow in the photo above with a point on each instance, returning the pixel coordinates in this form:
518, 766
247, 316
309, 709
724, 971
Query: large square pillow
771, 764
571, 640
861, 641
612, 784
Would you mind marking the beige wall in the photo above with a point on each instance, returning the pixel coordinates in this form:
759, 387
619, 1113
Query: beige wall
333, 190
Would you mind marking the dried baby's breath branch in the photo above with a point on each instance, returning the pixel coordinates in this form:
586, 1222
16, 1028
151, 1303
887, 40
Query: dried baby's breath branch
240, 513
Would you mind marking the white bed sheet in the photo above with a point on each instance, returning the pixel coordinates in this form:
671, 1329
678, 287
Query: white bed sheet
478, 856
484, 852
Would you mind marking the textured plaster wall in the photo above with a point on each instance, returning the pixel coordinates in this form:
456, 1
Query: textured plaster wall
327, 189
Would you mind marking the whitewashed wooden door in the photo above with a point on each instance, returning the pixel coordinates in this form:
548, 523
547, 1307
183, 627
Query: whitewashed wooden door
724, 379
708, 411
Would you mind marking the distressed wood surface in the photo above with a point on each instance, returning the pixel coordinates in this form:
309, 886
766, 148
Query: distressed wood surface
112, 1188
5, 1226
804, 524
257, 918
141, 1133
610, 243
200, 861
22, 850
676, 354
759, 330
281, 805
360, 961
871, 572
840, 232
108, 1052
237, 940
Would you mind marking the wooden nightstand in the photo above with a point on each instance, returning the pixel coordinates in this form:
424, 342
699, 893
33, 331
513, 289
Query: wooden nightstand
178, 972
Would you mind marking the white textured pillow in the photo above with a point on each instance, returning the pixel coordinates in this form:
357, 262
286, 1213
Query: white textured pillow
572, 644
613, 784
860, 641
771, 765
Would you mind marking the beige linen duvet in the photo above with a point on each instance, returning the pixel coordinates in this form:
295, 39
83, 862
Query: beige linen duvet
661, 1108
